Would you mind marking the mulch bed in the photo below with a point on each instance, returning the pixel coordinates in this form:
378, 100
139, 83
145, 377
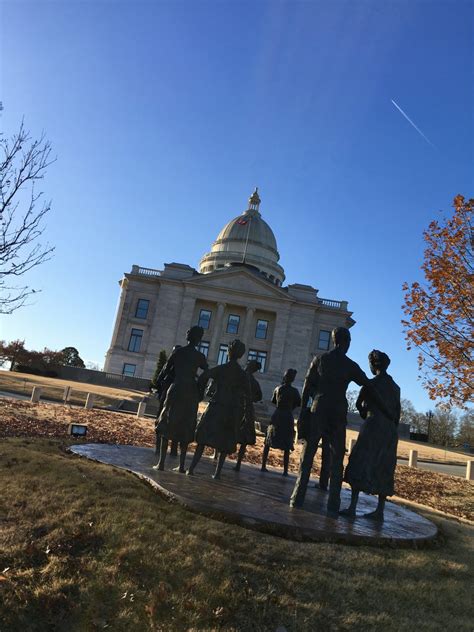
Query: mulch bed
18, 418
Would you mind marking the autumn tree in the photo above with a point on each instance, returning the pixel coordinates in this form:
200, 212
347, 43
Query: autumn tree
23, 163
439, 319
16, 353
13, 352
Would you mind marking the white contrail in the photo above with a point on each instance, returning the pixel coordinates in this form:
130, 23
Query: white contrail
412, 123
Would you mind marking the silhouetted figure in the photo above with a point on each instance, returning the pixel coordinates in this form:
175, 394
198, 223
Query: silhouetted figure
372, 462
304, 422
163, 382
327, 380
230, 400
281, 431
247, 435
178, 417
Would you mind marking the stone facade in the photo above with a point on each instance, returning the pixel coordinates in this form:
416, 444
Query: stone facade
157, 307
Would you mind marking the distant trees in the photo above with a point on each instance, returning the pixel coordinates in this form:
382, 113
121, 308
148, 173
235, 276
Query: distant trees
13, 352
23, 162
93, 366
18, 356
466, 428
351, 397
440, 314
444, 428
162, 358
71, 357
408, 412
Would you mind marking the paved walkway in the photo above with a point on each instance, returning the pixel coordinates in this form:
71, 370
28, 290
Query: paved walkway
260, 500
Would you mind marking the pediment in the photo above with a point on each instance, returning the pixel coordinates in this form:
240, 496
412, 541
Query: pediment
240, 281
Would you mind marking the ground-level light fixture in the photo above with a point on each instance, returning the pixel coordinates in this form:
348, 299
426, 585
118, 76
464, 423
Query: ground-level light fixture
77, 430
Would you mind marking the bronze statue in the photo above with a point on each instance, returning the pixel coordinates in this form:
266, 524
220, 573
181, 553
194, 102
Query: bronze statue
178, 418
281, 431
247, 434
372, 462
230, 400
163, 382
326, 381
304, 421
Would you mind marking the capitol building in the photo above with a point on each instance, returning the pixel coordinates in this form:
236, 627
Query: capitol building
238, 292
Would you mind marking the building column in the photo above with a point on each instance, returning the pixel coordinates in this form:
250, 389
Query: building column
248, 327
278, 342
216, 334
117, 325
185, 319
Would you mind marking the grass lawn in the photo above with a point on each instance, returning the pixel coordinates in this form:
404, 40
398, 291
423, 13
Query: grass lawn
86, 547
53, 388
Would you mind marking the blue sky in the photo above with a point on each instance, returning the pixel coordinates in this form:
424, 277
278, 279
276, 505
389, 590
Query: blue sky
165, 115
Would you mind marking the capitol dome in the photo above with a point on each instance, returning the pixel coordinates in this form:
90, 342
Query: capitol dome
247, 240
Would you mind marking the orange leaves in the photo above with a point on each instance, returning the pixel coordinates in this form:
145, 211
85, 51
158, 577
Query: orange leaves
440, 313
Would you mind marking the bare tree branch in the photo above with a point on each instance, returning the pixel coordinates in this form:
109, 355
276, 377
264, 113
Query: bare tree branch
23, 162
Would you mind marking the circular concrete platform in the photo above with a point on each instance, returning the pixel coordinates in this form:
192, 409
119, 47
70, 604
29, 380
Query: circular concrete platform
260, 500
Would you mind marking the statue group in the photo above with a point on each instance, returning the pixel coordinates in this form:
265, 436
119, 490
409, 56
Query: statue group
229, 418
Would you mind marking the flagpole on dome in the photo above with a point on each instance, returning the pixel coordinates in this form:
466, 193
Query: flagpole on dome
254, 203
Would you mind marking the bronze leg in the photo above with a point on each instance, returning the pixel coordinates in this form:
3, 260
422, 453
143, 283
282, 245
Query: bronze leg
220, 463
266, 450
196, 458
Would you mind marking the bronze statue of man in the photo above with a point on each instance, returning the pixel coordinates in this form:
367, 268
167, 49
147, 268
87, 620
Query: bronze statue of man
327, 380
177, 420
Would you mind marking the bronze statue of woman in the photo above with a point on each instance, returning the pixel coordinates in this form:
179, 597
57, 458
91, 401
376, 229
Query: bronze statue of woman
281, 431
230, 400
177, 420
247, 435
372, 462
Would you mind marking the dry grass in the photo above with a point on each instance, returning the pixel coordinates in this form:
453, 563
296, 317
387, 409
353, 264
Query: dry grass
88, 547
53, 388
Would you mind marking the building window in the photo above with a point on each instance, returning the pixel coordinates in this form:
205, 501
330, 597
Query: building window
204, 318
203, 347
324, 339
260, 356
233, 324
142, 308
135, 340
262, 329
129, 369
223, 356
